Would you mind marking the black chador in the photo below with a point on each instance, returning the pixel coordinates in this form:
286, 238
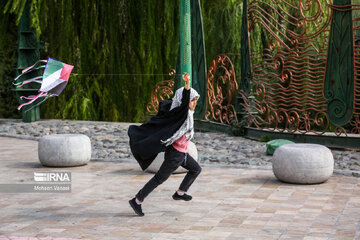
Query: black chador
145, 140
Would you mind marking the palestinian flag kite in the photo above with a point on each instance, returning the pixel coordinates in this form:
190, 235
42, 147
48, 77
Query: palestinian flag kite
53, 81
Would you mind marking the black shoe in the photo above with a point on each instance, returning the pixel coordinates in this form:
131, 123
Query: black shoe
184, 197
136, 207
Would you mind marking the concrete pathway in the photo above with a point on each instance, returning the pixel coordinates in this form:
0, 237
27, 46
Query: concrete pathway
227, 203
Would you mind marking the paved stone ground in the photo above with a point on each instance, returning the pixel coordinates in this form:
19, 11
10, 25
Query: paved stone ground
228, 203
110, 143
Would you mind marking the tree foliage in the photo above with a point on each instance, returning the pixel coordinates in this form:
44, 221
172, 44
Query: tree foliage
119, 48
8, 57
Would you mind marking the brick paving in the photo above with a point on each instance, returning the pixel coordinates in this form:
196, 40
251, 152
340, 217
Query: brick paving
228, 203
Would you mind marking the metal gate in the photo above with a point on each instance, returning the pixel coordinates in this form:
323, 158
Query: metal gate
304, 60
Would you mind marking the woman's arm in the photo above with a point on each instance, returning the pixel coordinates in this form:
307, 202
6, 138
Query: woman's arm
186, 92
186, 78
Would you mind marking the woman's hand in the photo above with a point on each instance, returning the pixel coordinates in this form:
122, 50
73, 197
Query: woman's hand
186, 78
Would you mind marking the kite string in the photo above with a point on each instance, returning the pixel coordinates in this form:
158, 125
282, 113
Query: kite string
121, 74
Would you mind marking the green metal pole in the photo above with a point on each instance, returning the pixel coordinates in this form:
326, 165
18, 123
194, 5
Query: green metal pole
198, 58
245, 52
245, 62
185, 38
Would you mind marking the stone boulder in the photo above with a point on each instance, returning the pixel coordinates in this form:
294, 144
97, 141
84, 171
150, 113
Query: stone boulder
64, 150
303, 163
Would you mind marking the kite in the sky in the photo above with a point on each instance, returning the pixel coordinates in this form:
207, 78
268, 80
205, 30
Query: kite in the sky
53, 81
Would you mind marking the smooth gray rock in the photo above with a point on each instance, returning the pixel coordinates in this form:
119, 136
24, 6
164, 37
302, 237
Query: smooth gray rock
303, 163
64, 150
156, 164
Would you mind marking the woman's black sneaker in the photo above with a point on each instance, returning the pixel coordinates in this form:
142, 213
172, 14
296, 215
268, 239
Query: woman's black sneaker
184, 197
136, 207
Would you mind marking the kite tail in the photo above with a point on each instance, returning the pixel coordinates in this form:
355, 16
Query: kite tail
32, 68
33, 98
46, 97
26, 69
28, 97
35, 79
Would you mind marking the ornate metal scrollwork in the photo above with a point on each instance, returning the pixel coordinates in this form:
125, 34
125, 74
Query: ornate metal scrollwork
263, 115
288, 72
221, 90
355, 123
162, 90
